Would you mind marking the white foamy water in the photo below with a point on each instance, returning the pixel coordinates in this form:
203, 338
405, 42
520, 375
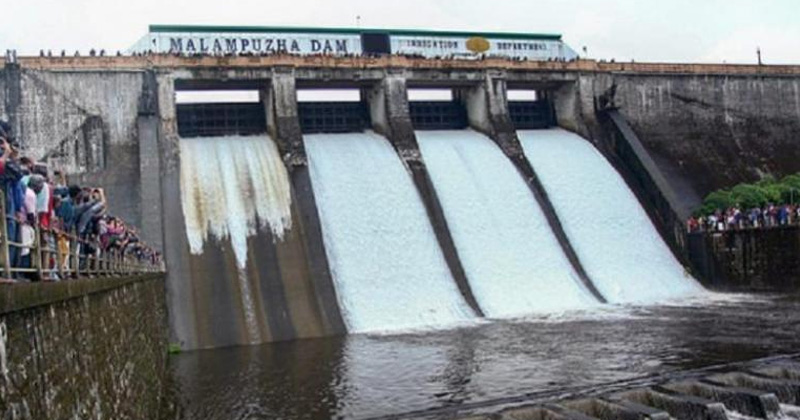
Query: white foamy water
735, 415
611, 233
231, 187
513, 261
389, 271
789, 412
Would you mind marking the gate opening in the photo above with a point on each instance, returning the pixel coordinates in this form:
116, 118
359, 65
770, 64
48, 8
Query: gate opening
530, 109
204, 113
436, 109
332, 111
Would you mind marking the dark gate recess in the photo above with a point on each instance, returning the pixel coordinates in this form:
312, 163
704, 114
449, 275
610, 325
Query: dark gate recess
528, 115
221, 119
333, 117
438, 115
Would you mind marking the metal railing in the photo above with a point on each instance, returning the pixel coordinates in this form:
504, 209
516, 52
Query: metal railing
55, 254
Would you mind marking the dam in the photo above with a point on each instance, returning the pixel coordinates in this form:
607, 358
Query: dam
379, 227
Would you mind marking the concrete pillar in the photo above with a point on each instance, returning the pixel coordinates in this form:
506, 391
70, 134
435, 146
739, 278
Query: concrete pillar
180, 299
576, 105
283, 122
487, 111
13, 98
388, 106
569, 109
147, 124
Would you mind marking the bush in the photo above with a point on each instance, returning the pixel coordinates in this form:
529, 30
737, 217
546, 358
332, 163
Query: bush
758, 194
720, 199
749, 196
792, 193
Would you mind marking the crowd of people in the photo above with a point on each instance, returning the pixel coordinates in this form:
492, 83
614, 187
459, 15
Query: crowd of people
68, 220
734, 218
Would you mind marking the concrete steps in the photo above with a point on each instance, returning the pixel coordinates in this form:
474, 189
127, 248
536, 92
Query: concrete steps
766, 389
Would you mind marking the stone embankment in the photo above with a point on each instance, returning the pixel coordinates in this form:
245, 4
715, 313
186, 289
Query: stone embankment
80, 349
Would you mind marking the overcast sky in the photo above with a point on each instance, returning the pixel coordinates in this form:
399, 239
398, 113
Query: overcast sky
644, 30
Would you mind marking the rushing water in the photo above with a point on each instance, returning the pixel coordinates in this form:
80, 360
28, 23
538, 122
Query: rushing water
230, 187
389, 271
364, 376
513, 261
615, 240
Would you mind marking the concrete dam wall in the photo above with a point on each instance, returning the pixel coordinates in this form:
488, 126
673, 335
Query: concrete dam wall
290, 257
706, 128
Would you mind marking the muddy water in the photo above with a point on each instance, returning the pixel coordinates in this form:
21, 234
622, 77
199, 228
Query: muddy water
365, 376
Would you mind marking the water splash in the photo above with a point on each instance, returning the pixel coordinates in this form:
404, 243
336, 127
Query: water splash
231, 187
511, 257
389, 271
250, 319
614, 238
789, 412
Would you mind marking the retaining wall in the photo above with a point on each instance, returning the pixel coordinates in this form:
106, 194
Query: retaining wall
83, 123
756, 259
714, 131
81, 349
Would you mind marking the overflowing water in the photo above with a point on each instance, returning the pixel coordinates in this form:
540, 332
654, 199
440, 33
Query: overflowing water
615, 240
230, 187
789, 411
388, 269
513, 261
735, 415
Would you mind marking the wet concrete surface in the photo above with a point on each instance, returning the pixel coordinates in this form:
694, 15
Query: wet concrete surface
367, 376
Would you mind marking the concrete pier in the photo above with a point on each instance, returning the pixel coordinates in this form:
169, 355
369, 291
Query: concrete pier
284, 127
389, 112
487, 109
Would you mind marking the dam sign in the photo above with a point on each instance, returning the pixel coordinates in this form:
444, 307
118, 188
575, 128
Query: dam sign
218, 40
249, 44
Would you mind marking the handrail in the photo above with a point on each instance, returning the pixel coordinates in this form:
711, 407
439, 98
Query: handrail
50, 261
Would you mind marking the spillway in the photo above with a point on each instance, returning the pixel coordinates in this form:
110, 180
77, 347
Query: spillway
388, 269
614, 238
230, 187
513, 261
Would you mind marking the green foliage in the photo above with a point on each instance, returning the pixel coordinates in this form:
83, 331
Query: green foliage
792, 192
767, 190
174, 348
719, 199
748, 195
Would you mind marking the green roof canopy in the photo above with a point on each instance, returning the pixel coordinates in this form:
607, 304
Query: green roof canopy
350, 31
